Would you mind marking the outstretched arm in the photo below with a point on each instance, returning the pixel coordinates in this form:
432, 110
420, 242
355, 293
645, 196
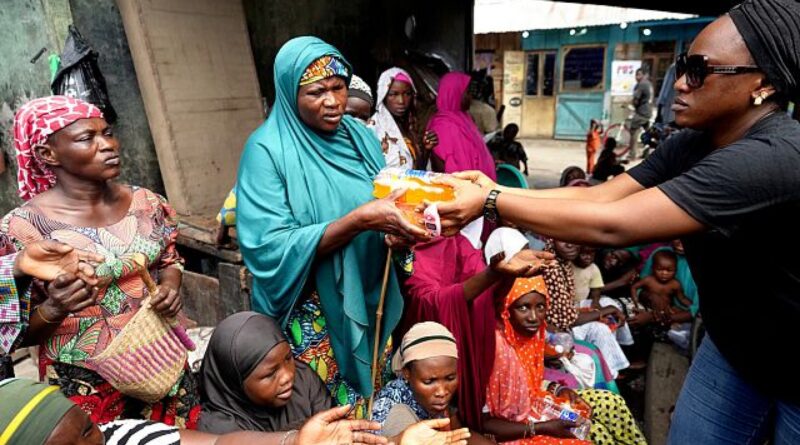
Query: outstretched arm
617, 188
646, 215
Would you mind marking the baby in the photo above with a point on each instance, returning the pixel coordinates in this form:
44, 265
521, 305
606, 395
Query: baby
659, 289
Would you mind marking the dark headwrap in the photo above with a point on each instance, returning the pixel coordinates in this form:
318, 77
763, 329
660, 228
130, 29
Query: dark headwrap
238, 345
771, 31
565, 175
30, 411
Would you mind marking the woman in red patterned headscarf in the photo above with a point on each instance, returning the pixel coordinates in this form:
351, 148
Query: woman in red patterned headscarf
518, 381
33, 125
68, 162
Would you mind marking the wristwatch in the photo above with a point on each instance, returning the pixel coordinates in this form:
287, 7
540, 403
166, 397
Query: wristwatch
490, 207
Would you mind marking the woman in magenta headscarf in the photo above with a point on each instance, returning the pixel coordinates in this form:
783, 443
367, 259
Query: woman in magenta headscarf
461, 145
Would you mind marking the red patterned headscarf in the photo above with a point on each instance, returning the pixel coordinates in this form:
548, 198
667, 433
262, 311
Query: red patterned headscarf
33, 124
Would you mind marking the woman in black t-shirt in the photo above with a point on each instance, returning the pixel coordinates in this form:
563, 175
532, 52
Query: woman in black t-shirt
729, 187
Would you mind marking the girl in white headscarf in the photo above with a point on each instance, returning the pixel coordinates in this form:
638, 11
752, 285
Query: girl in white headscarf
395, 123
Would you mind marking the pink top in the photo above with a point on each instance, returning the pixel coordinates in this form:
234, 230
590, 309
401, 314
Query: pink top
461, 145
435, 292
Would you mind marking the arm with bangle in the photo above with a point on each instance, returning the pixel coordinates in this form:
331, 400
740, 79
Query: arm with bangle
626, 221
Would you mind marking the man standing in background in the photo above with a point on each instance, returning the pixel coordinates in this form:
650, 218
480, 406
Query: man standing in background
642, 109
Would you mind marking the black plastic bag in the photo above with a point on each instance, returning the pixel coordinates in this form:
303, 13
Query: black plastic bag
79, 75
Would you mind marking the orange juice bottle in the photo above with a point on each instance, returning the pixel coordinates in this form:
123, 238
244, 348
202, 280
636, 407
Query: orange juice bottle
419, 187
418, 184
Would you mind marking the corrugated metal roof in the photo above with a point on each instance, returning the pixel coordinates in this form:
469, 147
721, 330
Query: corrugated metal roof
523, 15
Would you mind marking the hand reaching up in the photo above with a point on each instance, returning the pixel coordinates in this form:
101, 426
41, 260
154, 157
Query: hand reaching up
526, 263
329, 428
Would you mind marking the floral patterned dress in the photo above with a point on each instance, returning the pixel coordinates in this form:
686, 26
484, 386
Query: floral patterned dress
310, 341
149, 227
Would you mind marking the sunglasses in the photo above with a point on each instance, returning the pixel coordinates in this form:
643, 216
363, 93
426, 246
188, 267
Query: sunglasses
696, 68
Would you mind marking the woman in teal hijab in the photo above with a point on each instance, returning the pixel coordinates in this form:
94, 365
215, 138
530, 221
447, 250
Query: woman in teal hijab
309, 230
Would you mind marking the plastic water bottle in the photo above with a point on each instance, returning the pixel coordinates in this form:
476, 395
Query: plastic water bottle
549, 408
558, 343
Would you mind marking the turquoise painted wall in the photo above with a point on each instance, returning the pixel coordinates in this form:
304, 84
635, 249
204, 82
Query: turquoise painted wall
574, 109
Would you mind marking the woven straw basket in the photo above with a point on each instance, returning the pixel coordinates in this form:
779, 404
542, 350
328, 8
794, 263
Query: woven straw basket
145, 359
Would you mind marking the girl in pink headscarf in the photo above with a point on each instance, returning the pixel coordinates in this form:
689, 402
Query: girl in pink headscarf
461, 145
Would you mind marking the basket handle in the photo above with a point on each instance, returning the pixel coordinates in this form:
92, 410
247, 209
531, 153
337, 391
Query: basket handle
141, 266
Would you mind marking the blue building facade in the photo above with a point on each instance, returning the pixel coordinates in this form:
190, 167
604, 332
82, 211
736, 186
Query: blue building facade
574, 66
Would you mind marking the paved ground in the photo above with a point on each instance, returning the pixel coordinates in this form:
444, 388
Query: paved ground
547, 158
26, 369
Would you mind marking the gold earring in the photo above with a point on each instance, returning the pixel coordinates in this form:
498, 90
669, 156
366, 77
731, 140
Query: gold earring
758, 100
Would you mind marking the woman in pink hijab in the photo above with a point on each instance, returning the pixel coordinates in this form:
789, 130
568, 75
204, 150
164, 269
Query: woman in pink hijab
461, 145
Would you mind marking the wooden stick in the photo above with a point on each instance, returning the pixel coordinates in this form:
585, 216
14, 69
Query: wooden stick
378, 329
141, 262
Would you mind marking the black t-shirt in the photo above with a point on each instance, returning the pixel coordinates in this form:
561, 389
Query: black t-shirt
747, 264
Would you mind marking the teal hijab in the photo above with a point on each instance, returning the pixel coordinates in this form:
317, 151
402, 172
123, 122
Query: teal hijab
684, 276
293, 181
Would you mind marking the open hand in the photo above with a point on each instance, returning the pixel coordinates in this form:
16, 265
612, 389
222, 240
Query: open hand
329, 428
428, 432
47, 259
383, 215
526, 263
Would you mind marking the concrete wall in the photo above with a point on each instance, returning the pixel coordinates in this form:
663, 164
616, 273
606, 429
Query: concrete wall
101, 24
25, 27
370, 34
28, 25
346, 24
